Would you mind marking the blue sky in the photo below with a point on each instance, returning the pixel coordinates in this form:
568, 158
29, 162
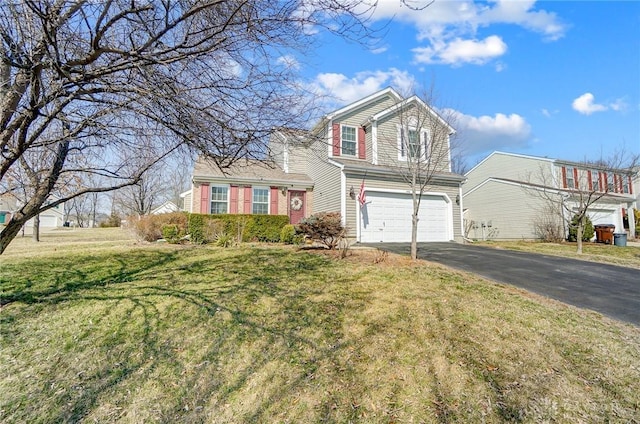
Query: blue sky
558, 78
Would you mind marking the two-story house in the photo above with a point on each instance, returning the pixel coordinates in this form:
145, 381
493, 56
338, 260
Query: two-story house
508, 196
366, 146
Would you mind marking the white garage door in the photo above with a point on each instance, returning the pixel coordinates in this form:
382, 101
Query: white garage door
49, 221
386, 217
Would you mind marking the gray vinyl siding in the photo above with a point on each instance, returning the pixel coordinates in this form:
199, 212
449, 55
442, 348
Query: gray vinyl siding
326, 177
388, 143
373, 184
276, 149
359, 116
298, 159
511, 210
513, 167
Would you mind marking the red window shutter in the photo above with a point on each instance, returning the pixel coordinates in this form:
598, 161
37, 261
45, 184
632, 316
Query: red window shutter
336, 139
233, 208
205, 206
619, 183
362, 148
274, 201
247, 199
564, 177
575, 177
630, 185
601, 181
590, 181
605, 182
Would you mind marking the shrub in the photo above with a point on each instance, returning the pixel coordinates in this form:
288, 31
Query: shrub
324, 227
150, 227
171, 233
224, 240
244, 227
637, 217
587, 233
287, 234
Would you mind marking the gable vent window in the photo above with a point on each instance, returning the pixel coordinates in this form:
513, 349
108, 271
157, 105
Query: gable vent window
349, 141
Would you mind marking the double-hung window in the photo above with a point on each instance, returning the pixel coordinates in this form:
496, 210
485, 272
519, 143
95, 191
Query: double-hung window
260, 198
611, 188
595, 181
571, 182
219, 199
348, 140
625, 184
412, 144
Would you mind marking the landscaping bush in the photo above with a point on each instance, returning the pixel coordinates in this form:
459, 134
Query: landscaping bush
171, 233
150, 227
587, 233
287, 234
324, 227
244, 227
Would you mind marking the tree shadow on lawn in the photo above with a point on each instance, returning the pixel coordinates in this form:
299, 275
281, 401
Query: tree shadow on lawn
226, 302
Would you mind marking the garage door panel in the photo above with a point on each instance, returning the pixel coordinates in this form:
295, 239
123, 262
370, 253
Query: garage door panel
387, 218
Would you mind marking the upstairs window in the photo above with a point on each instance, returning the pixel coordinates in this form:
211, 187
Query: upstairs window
219, 199
260, 204
610, 184
625, 184
595, 181
412, 143
348, 141
571, 182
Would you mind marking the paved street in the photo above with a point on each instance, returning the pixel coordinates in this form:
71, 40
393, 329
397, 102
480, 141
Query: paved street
610, 290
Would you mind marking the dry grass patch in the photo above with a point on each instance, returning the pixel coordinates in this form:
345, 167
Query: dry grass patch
628, 256
255, 334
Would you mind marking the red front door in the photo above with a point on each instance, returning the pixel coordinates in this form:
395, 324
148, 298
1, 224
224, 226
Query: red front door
297, 206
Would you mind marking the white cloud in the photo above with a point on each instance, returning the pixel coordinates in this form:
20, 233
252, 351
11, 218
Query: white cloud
457, 52
586, 105
488, 133
289, 61
346, 90
450, 27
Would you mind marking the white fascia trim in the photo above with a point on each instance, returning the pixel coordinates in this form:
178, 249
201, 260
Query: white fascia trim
461, 206
374, 143
364, 101
330, 138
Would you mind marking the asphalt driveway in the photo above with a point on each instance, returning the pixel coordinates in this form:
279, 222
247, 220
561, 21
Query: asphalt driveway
611, 290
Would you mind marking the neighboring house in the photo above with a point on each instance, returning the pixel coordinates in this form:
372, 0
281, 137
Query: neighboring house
506, 195
8, 204
322, 170
166, 207
51, 218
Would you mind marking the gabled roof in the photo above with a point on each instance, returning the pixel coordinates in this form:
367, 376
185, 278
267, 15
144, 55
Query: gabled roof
397, 108
249, 171
364, 101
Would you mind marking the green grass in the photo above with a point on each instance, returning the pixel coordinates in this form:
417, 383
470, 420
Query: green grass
105, 331
628, 256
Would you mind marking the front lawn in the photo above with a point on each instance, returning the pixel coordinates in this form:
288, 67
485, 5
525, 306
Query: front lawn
628, 256
105, 331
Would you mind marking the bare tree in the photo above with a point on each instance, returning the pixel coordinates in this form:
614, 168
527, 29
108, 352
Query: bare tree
571, 191
423, 150
82, 81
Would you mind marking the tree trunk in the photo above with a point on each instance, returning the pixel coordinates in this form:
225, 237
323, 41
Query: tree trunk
579, 232
36, 228
414, 235
9, 232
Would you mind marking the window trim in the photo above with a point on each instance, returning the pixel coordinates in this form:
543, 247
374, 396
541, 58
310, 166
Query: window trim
355, 140
211, 199
254, 203
403, 148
